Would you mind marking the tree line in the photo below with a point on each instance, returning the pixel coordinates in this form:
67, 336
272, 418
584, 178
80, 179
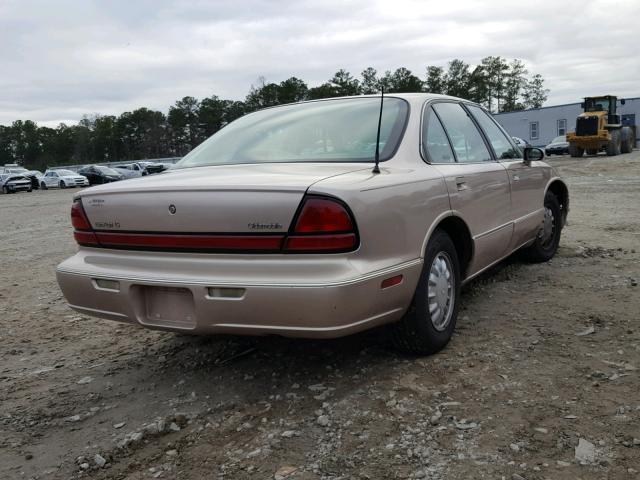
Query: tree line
497, 83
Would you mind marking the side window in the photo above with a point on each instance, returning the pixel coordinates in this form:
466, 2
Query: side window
503, 148
465, 137
562, 127
54, 174
434, 141
533, 130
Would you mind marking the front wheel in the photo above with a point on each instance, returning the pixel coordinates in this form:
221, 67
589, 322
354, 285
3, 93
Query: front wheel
430, 321
576, 151
548, 238
62, 184
43, 186
5, 190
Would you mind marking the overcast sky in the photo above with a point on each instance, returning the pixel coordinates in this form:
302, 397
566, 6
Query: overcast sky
60, 60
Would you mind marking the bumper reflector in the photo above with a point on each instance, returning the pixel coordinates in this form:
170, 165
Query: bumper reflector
390, 282
104, 284
225, 292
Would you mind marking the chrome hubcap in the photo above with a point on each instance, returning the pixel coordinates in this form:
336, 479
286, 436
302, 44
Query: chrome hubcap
548, 227
440, 291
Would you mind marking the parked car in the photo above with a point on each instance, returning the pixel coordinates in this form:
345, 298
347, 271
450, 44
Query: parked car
520, 142
152, 167
558, 146
97, 174
12, 183
282, 223
132, 170
61, 178
32, 175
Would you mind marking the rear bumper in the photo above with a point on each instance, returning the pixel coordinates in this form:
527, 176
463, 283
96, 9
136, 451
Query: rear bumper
252, 295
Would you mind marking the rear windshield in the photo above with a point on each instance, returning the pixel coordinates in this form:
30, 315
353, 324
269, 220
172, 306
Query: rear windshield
326, 131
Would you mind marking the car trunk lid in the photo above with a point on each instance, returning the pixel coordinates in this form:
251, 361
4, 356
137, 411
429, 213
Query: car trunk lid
255, 199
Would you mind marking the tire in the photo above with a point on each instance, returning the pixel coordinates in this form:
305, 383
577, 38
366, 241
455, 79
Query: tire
628, 140
43, 186
615, 143
62, 184
546, 243
5, 190
592, 151
576, 151
420, 331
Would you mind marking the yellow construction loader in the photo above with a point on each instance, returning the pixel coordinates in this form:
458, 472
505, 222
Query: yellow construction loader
599, 127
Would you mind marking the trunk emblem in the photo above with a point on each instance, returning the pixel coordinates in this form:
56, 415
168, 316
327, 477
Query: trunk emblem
172, 209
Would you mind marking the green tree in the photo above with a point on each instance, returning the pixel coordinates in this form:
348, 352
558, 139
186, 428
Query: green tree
326, 90
345, 84
514, 83
436, 81
185, 125
535, 94
370, 83
457, 79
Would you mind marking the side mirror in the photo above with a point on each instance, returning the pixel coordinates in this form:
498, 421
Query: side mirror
582, 105
532, 154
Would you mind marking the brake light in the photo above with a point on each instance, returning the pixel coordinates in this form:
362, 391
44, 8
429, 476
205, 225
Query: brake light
323, 215
83, 233
323, 225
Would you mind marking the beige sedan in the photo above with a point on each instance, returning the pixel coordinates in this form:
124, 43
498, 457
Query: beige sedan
280, 223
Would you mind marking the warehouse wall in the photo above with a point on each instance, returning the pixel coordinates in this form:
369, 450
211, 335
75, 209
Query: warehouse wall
518, 124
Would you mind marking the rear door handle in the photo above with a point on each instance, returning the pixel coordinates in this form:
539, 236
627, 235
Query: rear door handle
461, 183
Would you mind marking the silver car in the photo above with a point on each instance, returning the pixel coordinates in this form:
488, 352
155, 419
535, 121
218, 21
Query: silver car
282, 223
61, 178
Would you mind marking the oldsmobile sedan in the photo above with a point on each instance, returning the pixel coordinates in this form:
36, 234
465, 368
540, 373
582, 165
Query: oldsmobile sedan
283, 223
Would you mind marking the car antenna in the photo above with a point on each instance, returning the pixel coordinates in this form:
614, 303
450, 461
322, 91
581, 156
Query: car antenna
376, 168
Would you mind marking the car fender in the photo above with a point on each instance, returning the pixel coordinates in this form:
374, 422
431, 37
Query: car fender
564, 193
437, 222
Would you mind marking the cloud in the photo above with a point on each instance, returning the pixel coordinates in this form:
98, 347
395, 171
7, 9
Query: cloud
63, 59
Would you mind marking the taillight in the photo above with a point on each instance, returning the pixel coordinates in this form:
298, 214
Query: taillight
323, 225
83, 233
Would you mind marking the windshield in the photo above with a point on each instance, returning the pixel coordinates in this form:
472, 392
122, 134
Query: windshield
597, 105
559, 139
63, 173
107, 171
326, 131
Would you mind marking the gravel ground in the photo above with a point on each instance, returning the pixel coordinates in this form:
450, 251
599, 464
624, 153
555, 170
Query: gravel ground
539, 382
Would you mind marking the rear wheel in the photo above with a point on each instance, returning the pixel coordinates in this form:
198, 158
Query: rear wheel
615, 143
546, 243
430, 321
628, 140
576, 151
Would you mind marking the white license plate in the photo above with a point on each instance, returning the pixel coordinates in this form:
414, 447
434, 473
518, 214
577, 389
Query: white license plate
169, 307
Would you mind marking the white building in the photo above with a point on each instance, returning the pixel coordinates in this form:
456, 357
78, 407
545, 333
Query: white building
539, 126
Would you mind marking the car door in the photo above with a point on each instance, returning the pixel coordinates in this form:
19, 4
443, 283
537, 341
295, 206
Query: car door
50, 180
478, 185
528, 180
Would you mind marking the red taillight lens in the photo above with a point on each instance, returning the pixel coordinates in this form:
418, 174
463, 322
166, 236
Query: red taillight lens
83, 233
79, 219
323, 215
324, 225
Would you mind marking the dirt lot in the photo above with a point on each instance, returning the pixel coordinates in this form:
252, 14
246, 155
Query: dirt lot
545, 356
